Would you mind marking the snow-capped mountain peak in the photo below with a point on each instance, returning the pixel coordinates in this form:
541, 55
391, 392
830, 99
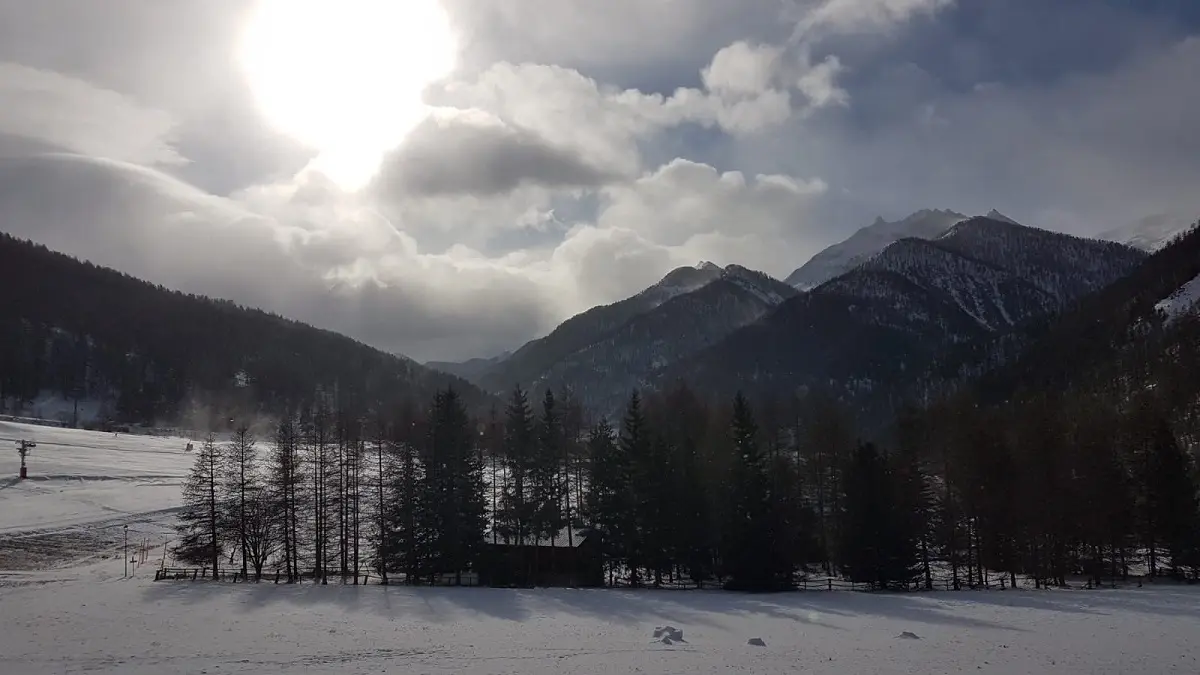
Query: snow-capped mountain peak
868, 241
1152, 232
681, 280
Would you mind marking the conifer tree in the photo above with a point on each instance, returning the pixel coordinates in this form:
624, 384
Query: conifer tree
878, 543
607, 507
457, 515
545, 473
633, 445
284, 479
750, 551
199, 525
405, 542
519, 447
240, 483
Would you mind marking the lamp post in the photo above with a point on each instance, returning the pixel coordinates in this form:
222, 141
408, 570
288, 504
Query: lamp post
125, 528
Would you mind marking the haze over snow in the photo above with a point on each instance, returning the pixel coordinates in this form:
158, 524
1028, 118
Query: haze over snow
509, 164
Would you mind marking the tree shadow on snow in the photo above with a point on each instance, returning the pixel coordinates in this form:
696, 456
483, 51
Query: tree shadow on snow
652, 607
1168, 600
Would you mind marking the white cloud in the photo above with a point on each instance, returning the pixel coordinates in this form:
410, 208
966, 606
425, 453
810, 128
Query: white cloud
70, 114
743, 68
838, 16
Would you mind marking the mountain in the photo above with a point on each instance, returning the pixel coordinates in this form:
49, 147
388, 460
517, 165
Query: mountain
879, 326
866, 242
996, 215
530, 363
1144, 318
603, 373
471, 369
1150, 233
145, 354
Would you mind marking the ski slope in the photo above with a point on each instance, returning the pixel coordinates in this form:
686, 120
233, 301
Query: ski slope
83, 488
71, 610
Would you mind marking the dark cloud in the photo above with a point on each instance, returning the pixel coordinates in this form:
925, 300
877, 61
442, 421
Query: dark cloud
463, 157
154, 227
128, 136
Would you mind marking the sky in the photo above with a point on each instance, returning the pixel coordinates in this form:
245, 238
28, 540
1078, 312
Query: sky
451, 178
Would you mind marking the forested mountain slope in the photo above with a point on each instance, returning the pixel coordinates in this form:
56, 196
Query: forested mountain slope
868, 241
81, 331
870, 333
531, 362
603, 373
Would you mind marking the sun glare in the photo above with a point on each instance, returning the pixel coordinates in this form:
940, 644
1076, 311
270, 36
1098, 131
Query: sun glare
346, 76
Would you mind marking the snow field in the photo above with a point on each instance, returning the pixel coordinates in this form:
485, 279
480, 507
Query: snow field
140, 627
83, 488
65, 608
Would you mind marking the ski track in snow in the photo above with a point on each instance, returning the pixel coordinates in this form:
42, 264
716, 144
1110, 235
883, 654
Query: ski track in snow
76, 614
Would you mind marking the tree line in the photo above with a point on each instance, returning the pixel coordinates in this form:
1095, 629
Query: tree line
753, 495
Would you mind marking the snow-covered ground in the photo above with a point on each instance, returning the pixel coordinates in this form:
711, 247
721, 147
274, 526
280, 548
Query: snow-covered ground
77, 614
140, 627
1182, 301
83, 487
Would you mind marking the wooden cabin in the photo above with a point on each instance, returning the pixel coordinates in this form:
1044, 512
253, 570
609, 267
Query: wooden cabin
565, 562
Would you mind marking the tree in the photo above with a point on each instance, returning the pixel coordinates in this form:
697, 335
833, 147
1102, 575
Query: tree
240, 483
546, 512
284, 484
263, 526
519, 446
199, 525
608, 506
380, 443
457, 513
878, 545
751, 551
406, 539
633, 444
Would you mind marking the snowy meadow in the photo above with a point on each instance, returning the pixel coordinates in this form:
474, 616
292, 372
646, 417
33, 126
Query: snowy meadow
66, 608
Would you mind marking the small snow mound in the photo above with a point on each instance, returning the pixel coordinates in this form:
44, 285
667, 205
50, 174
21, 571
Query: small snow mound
907, 636
756, 642
668, 634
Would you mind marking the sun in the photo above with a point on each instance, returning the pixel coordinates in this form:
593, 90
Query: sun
346, 77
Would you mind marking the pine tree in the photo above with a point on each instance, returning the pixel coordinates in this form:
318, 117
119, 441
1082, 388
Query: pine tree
284, 485
321, 449
406, 543
519, 447
454, 485
633, 446
199, 525
878, 544
1173, 512
694, 544
240, 484
382, 496
545, 483
609, 507
750, 552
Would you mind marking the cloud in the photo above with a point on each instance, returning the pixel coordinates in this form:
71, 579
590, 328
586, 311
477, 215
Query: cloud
465, 153
581, 150
837, 16
74, 115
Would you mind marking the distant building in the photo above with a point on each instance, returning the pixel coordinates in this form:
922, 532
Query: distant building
574, 562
